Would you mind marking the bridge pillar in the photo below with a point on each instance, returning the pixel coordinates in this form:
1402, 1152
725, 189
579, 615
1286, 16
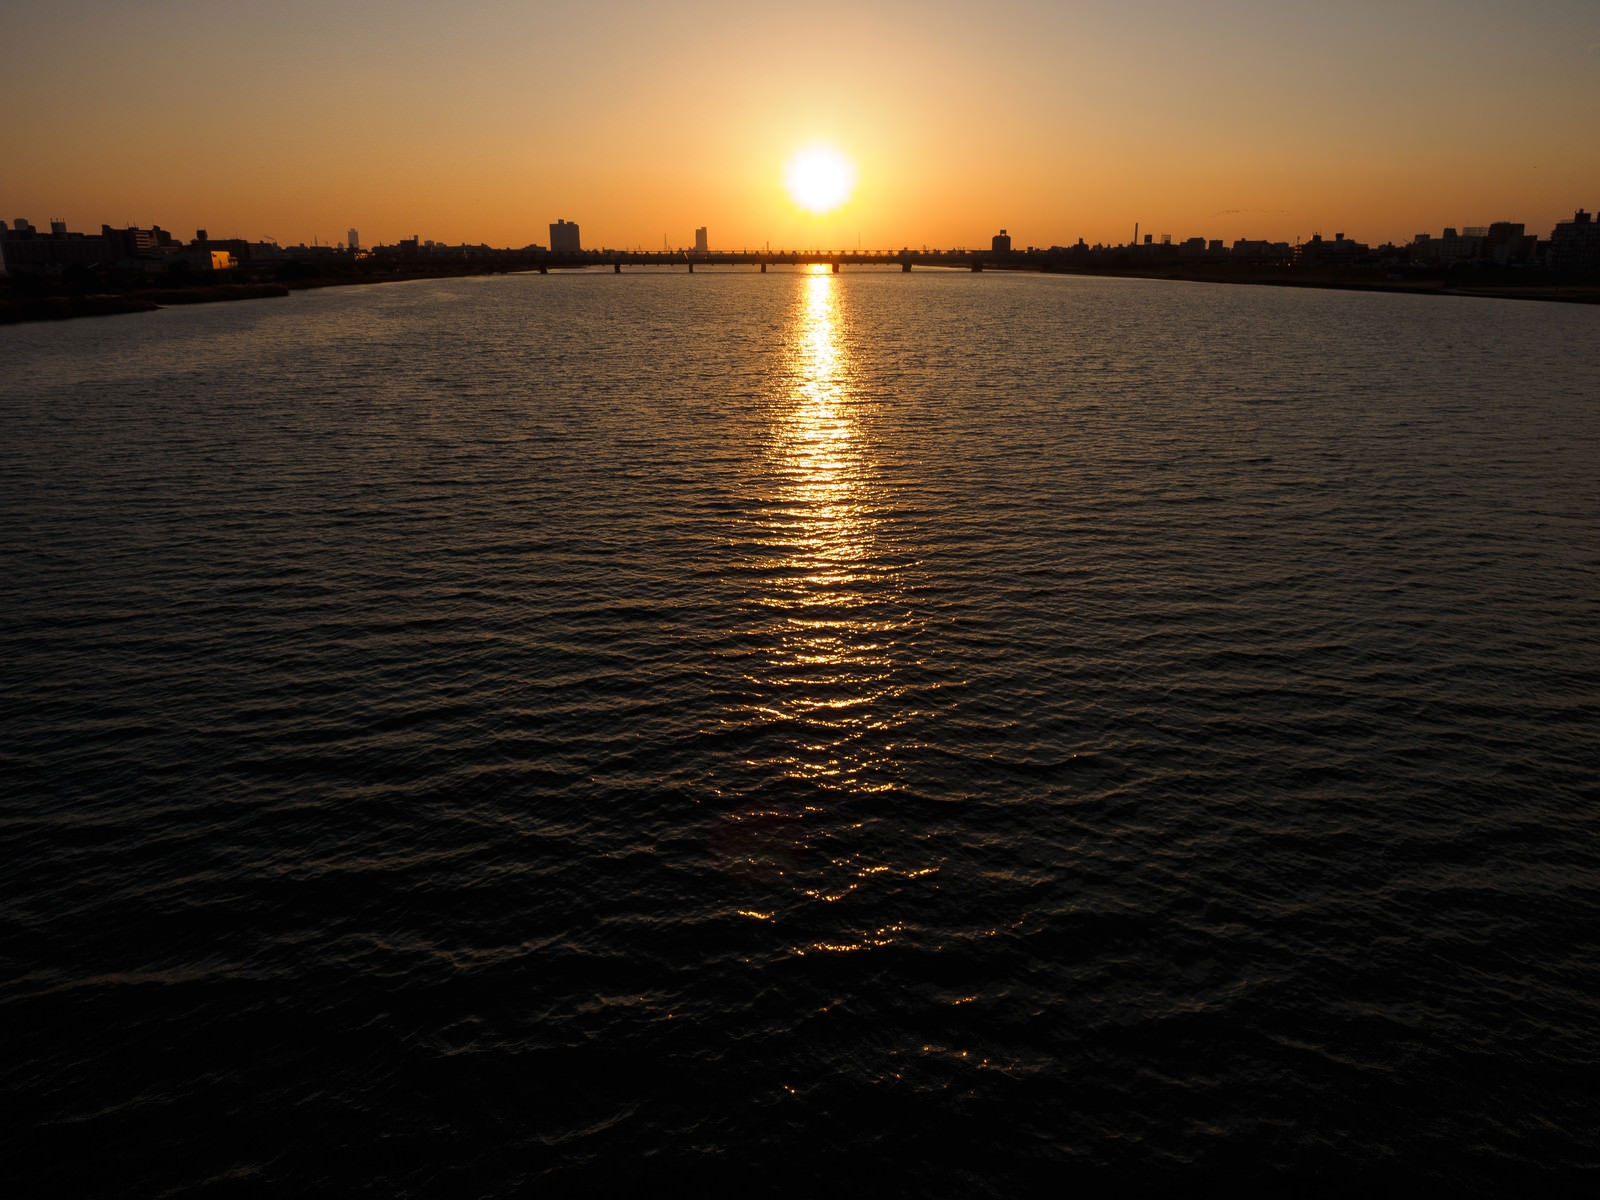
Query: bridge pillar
691, 268
835, 266
616, 268
977, 264
763, 268
905, 268
543, 270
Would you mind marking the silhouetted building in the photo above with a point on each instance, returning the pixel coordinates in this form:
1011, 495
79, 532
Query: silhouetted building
1506, 243
1001, 243
1575, 244
354, 241
210, 259
133, 242
26, 249
564, 238
1200, 248
1339, 252
237, 250
1264, 254
1449, 248
700, 243
304, 253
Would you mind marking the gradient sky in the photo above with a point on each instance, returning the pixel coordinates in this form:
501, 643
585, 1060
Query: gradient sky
485, 120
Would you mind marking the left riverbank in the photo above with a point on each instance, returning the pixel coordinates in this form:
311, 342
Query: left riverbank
32, 299
62, 306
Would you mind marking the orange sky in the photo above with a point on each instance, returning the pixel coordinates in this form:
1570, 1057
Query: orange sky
487, 120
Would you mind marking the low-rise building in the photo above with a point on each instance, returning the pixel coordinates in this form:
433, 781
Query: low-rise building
1261, 253
1199, 249
1342, 251
26, 250
1575, 244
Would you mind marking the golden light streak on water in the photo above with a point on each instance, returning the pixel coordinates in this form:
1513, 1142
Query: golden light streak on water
836, 624
820, 443
828, 657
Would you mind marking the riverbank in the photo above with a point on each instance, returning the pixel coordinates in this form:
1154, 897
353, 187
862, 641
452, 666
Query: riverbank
56, 306
1541, 289
34, 300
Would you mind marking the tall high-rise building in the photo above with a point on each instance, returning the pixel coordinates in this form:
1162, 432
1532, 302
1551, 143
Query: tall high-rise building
700, 239
564, 238
353, 241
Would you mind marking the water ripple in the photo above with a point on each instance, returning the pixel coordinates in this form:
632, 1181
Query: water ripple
941, 733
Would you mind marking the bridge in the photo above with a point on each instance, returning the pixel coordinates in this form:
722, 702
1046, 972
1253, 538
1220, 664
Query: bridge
904, 259
483, 258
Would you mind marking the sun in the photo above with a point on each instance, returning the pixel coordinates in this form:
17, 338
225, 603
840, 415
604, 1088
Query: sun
819, 179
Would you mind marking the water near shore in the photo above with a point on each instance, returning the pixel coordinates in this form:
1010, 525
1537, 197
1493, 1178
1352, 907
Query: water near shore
936, 732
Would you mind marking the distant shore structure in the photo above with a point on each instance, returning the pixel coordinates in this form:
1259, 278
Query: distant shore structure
1501, 257
1575, 244
564, 238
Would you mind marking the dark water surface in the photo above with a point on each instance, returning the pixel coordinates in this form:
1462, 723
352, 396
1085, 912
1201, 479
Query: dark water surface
934, 733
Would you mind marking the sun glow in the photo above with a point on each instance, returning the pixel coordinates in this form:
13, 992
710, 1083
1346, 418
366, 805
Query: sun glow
819, 179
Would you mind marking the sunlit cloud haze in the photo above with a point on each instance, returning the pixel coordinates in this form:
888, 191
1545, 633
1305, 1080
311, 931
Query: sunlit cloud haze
488, 119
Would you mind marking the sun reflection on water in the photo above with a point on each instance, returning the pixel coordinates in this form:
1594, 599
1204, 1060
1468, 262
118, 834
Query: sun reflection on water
827, 688
818, 444
827, 586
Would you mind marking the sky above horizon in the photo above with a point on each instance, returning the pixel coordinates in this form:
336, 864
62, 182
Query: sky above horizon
487, 120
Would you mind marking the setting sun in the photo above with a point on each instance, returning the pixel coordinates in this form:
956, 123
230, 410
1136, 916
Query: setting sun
819, 179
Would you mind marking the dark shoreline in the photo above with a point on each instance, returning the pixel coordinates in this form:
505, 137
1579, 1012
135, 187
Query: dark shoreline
64, 307
61, 306
1562, 293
